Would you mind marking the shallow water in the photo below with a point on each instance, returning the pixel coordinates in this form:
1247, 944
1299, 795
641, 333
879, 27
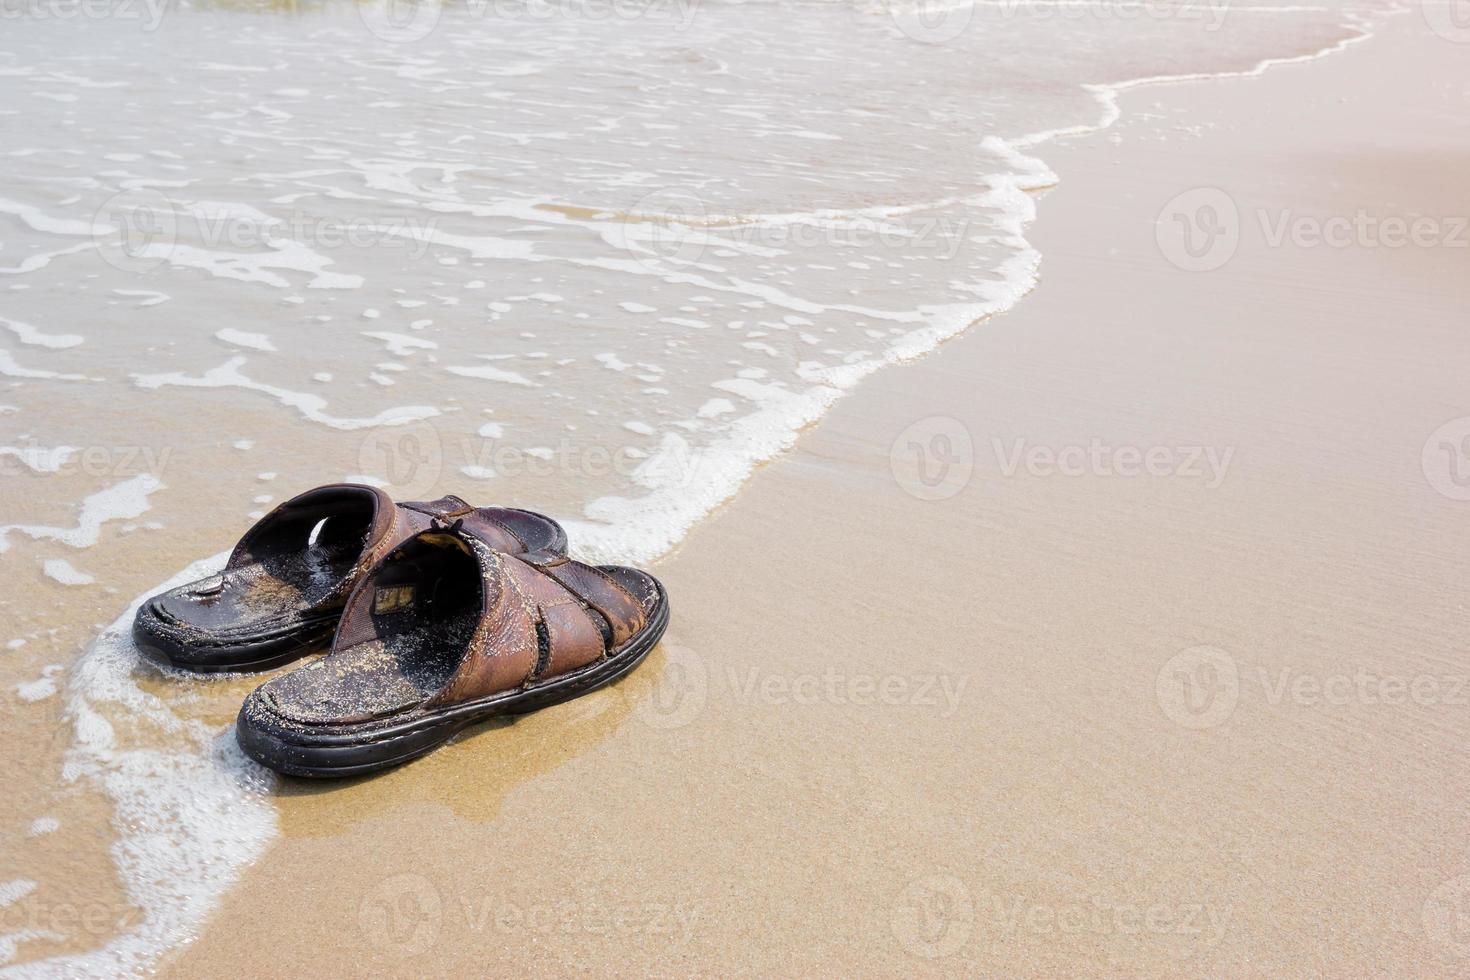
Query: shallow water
598, 259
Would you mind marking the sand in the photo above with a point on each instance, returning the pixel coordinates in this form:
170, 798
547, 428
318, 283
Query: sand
1207, 719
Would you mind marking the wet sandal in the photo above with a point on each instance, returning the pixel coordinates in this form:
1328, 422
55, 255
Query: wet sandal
284, 586
444, 633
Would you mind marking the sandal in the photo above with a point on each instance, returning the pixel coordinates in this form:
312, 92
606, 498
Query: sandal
446, 632
284, 586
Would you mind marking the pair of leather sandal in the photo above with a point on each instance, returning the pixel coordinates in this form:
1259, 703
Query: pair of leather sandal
439, 615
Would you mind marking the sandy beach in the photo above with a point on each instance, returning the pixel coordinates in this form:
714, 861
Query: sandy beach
1125, 634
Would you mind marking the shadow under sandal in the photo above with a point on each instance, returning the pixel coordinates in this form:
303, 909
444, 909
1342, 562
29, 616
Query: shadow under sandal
445, 633
284, 586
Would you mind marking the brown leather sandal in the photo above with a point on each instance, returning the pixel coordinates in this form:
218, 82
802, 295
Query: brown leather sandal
444, 633
284, 587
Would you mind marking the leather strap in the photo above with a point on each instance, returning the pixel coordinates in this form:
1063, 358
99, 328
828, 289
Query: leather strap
540, 618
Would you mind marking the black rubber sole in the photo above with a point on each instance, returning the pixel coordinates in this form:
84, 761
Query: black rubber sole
240, 658
340, 755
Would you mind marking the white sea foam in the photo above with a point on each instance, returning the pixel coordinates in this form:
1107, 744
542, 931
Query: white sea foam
13, 891
121, 501
190, 811
228, 375
28, 334
40, 459
150, 297
243, 338
41, 826
10, 368
39, 220
62, 571
488, 373
41, 688
286, 255
401, 344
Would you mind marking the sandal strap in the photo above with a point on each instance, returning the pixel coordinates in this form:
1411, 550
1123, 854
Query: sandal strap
483, 522
289, 524
543, 616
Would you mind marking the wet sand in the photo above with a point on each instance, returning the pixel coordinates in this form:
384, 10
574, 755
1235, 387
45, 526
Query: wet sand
1192, 721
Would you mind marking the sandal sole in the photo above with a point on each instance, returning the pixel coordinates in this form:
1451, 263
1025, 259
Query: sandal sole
344, 755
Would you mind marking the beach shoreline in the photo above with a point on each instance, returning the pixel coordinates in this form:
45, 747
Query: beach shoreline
952, 697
